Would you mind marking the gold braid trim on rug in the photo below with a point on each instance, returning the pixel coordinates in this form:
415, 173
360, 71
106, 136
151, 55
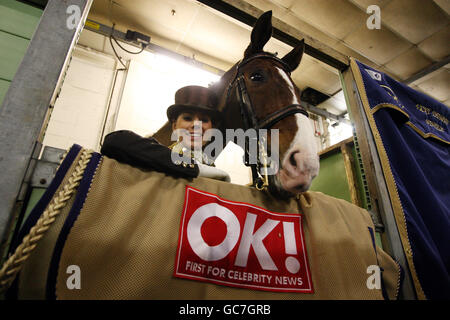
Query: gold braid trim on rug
15, 262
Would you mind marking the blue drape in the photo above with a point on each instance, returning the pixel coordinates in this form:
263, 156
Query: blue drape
413, 129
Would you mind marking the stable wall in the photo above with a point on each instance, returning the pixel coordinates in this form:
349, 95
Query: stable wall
332, 178
339, 175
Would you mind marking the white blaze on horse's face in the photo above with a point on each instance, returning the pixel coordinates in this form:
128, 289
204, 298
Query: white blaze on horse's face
300, 163
286, 78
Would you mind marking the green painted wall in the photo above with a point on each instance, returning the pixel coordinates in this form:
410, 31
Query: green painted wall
4, 85
35, 196
17, 24
332, 179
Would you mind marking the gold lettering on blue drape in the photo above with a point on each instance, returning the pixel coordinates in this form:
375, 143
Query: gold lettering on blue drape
440, 117
434, 125
393, 95
435, 115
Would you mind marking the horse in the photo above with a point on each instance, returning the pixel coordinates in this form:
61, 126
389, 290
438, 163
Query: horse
125, 226
258, 92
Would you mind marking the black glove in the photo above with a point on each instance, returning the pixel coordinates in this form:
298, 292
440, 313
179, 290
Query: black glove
145, 153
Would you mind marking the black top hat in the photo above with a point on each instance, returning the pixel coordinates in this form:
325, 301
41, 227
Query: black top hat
196, 99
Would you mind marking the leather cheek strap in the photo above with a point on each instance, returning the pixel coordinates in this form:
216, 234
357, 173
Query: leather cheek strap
279, 115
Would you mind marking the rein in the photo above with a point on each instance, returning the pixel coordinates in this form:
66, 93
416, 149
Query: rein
260, 181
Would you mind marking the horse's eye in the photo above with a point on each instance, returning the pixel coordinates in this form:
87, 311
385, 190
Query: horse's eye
256, 76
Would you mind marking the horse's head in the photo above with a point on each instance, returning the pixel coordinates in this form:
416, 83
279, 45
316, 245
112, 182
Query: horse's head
274, 100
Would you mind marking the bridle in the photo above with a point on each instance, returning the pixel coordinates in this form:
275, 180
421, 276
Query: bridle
260, 181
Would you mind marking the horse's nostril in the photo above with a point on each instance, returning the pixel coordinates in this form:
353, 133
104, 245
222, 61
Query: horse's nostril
292, 159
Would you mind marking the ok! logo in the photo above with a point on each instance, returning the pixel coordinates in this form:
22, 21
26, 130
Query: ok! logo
241, 245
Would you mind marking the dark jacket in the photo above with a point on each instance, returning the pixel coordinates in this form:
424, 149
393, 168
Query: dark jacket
145, 153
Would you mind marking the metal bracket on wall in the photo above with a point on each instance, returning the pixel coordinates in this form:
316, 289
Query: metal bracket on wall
324, 113
46, 167
378, 225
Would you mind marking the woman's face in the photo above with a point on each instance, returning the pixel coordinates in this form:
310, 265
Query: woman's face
194, 124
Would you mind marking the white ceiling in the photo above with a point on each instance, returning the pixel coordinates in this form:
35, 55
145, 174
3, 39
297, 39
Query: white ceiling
414, 35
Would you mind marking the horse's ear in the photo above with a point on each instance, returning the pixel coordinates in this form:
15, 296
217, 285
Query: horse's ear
261, 33
293, 58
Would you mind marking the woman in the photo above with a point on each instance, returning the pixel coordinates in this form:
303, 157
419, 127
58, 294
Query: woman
191, 116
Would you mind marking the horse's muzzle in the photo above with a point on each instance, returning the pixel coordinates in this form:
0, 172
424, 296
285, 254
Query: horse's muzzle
295, 176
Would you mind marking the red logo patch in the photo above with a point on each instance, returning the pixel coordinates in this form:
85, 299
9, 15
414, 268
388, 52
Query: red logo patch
241, 245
